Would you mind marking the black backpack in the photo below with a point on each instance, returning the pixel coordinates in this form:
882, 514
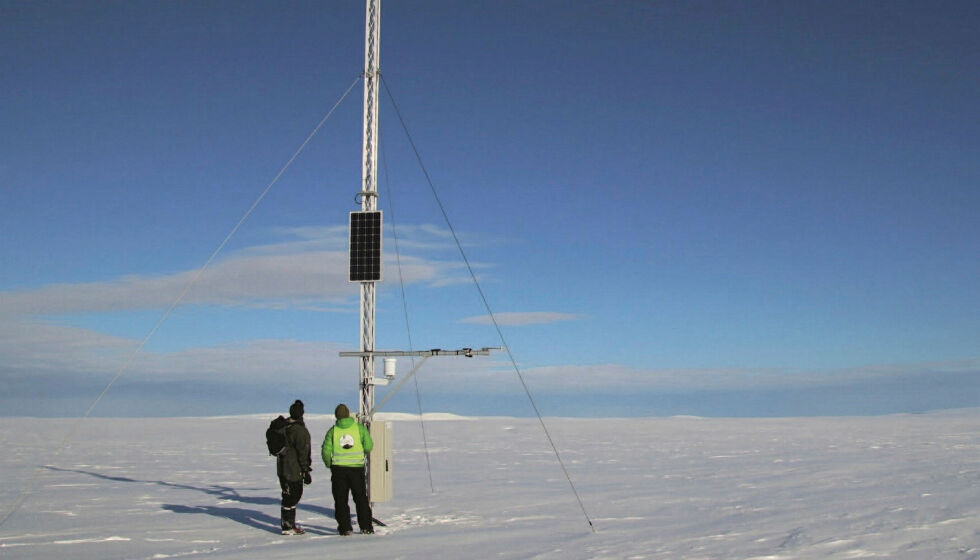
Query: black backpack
275, 436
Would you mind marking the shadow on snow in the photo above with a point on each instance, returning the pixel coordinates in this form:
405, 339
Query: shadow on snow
250, 517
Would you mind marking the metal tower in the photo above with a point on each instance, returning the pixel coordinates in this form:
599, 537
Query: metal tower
369, 196
365, 268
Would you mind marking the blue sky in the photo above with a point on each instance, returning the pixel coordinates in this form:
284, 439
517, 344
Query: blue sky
712, 208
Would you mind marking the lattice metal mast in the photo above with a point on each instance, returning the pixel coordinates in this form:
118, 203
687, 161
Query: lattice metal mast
369, 192
365, 268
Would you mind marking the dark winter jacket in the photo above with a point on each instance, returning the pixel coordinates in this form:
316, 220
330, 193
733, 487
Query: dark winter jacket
296, 460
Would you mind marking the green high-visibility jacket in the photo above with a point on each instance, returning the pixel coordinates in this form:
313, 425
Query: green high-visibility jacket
346, 432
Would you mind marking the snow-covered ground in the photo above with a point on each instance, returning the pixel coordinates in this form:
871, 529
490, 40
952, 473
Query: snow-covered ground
899, 487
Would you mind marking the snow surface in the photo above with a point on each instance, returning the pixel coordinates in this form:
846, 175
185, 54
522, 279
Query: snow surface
900, 487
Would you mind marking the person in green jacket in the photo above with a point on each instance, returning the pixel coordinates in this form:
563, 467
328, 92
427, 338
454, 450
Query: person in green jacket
343, 452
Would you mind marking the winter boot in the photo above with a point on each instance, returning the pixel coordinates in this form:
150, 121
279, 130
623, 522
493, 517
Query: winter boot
289, 526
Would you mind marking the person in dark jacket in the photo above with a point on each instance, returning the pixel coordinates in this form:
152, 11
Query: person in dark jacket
293, 467
343, 452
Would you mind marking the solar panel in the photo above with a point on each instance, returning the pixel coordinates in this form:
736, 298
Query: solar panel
365, 246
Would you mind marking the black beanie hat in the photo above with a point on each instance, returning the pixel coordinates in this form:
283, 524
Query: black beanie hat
296, 410
341, 411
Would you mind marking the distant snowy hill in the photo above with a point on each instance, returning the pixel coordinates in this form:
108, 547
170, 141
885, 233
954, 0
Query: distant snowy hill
899, 487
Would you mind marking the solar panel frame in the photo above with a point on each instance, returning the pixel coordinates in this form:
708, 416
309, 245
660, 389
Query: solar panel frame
364, 256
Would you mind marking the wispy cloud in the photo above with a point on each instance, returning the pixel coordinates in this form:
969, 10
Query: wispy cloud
306, 268
304, 271
54, 356
32, 347
239, 280
730, 379
299, 269
520, 318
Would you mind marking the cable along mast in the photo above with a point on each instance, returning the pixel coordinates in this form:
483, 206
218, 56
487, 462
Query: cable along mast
364, 259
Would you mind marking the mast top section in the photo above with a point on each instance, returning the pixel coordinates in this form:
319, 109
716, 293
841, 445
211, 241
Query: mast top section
372, 68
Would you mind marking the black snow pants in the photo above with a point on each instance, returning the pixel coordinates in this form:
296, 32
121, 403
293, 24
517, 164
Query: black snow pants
291, 494
344, 480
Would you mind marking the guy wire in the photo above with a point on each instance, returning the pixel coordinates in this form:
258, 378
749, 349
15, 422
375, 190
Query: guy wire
486, 305
29, 487
408, 325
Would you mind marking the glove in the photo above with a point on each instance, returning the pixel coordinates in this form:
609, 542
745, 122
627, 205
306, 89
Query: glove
307, 479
